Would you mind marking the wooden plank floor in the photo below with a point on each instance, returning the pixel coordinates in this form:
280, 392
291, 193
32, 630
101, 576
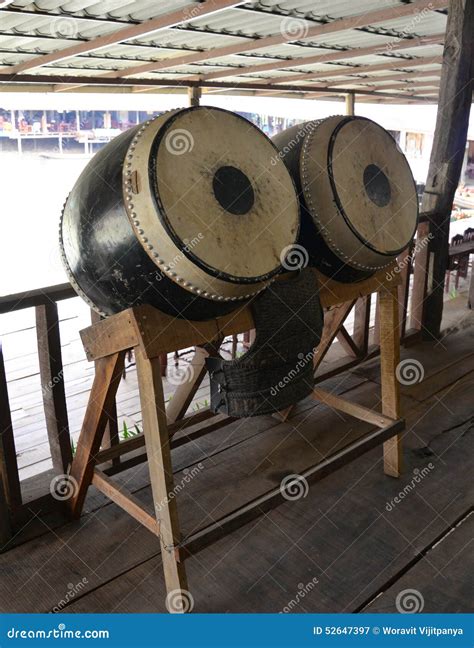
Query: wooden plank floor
354, 542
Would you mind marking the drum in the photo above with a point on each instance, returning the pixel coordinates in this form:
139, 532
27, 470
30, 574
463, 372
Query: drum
359, 206
187, 212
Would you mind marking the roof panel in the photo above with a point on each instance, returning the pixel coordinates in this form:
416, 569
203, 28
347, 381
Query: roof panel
33, 32
333, 8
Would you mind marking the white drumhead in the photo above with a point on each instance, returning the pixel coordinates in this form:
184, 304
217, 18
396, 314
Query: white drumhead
224, 192
357, 178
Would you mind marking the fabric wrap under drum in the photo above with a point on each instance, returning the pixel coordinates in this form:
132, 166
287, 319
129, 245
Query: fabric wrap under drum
358, 200
186, 212
277, 371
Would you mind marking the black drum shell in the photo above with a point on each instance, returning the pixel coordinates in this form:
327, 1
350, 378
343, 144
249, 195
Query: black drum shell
104, 259
290, 143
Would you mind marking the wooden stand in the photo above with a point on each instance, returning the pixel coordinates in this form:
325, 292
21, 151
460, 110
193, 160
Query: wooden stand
151, 333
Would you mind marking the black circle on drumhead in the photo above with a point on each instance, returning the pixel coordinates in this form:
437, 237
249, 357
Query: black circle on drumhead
377, 185
233, 190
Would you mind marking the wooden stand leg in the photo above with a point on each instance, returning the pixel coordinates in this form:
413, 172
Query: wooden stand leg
389, 360
5, 527
107, 377
184, 394
161, 477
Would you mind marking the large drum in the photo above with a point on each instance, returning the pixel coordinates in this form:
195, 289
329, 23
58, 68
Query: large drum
358, 197
188, 213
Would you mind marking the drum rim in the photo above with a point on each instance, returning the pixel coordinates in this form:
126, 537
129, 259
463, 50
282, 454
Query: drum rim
345, 120
193, 279
161, 212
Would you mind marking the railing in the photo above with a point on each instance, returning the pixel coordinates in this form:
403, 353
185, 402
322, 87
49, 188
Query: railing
363, 343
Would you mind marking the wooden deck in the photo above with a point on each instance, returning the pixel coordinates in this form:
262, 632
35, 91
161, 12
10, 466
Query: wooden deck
348, 545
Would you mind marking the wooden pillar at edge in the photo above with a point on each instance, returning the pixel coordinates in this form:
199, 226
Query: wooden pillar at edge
445, 164
194, 95
350, 103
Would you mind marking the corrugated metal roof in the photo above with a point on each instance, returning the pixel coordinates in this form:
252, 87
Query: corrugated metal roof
31, 29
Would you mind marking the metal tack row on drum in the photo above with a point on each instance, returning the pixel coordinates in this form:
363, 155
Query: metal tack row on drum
194, 211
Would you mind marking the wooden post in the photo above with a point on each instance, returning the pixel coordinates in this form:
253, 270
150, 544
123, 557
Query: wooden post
8, 462
5, 526
52, 385
389, 360
362, 324
111, 435
184, 394
194, 95
446, 160
350, 103
161, 474
107, 377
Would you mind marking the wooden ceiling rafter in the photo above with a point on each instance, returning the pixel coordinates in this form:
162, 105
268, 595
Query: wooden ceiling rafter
339, 24
133, 31
342, 70
322, 58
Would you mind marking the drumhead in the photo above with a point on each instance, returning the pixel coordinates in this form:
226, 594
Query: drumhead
216, 184
352, 168
211, 201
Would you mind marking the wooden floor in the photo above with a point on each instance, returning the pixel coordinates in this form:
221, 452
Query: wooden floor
355, 542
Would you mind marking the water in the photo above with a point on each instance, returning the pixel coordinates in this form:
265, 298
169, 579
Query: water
33, 191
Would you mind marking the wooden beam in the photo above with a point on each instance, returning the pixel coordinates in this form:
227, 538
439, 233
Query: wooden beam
406, 91
350, 103
52, 386
389, 360
320, 58
347, 343
107, 377
30, 298
9, 475
184, 14
111, 435
237, 87
340, 70
123, 498
447, 156
339, 24
362, 324
194, 96
161, 471
353, 409
398, 76
416, 86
